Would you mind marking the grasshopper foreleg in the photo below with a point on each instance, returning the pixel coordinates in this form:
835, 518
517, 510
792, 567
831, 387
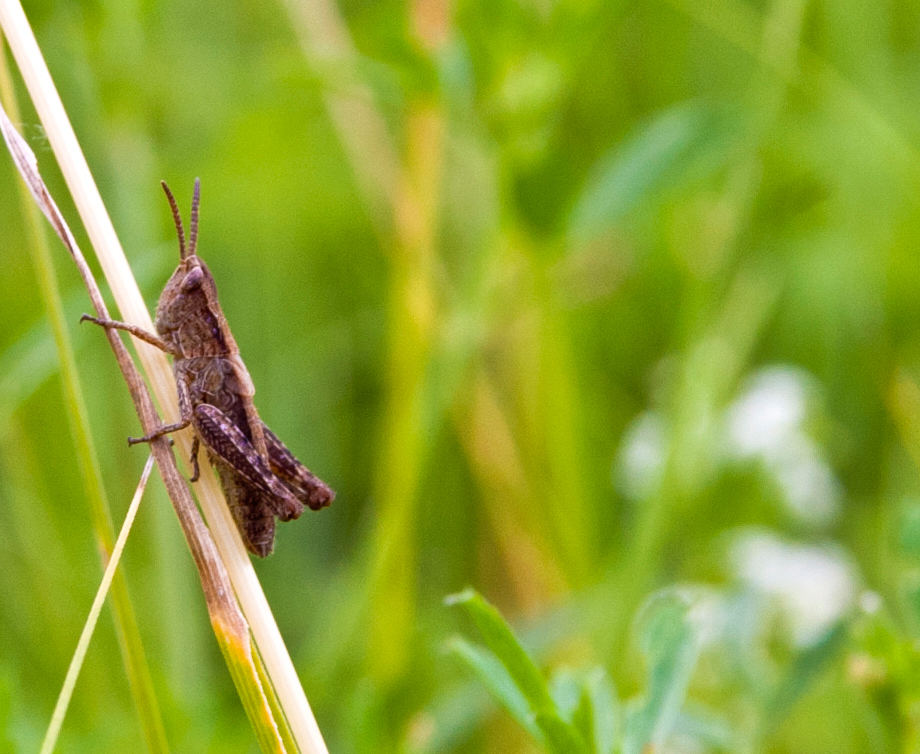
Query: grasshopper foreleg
136, 331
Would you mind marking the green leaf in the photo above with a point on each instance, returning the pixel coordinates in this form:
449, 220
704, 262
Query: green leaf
668, 641
561, 738
516, 681
805, 667
588, 702
605, 711
706, 729
501, 640
566, 688
909, 531
652, 156
497, 680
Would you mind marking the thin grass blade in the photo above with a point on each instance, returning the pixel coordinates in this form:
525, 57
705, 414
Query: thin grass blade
70, 680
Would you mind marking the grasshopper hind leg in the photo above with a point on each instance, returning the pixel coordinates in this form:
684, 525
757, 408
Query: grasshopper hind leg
254, 517
226, 442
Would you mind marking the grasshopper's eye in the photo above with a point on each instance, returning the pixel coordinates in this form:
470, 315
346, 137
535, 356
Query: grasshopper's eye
193, 280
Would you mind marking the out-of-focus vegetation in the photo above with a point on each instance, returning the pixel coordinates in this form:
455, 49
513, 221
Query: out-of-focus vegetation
572, 301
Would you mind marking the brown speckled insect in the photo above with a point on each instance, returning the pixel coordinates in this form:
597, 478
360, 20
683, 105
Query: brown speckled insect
260, 476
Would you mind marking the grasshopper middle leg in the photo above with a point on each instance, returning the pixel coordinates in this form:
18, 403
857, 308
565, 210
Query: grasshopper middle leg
185, 417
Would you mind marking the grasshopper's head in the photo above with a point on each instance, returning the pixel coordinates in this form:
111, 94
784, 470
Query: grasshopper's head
192, 279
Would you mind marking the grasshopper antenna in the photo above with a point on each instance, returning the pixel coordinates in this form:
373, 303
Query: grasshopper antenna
193, 230
177, 218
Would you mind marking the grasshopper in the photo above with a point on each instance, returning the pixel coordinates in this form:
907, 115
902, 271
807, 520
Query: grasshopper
260, 476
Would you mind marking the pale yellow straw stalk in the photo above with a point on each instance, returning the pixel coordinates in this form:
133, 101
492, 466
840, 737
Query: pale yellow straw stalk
267, 638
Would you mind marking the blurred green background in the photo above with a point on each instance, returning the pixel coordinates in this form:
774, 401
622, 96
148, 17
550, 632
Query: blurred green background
568, 300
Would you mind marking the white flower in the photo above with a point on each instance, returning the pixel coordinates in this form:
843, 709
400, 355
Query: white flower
813, 585
769, 412
767, 423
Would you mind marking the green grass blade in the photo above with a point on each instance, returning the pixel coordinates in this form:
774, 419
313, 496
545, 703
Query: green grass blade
245, 671
414, 318
514, 678
70, 680
274, 705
